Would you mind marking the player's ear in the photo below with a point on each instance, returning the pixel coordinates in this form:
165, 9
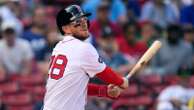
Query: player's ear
66, 29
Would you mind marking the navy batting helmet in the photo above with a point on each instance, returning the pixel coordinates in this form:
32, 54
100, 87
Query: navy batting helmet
68, 15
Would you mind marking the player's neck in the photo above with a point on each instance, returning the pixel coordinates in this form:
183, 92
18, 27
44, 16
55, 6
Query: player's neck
77, 37
68, 34
80, 38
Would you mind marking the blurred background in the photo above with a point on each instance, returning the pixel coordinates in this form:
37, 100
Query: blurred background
121, 31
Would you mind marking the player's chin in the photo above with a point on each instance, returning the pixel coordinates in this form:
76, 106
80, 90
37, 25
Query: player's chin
85, 33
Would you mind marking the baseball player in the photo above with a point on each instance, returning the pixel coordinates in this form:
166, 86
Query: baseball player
73, 62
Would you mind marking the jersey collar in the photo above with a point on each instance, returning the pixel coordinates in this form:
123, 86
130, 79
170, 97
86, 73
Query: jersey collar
68, 38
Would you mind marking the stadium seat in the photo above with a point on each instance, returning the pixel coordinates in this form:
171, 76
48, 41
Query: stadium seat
23, 107
120, 102
131, 91
146, 89
38, 98
31, 79
171, 79
39, 92
134, 101
38, 89
3, 77
9, 88
17, 99
191, 81
151, 79
144, 100
157, 89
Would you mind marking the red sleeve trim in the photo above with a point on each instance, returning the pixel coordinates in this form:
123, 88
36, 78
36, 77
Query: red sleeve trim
110, 77
97, 90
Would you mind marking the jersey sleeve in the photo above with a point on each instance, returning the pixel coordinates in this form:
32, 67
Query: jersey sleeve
91, 62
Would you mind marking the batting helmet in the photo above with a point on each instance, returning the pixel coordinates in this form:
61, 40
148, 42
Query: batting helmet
68, 15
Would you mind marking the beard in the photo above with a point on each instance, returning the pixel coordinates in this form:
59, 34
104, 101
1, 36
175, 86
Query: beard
82, 38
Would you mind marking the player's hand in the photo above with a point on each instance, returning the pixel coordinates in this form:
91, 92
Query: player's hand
125, 83
114, 91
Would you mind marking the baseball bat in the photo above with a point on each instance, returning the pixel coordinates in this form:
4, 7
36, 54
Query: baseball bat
145, 58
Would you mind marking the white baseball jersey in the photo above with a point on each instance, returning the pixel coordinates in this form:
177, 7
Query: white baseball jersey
74, 62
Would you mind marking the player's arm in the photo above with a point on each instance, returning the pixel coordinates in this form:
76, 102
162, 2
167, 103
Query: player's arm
94, 66
103, 91
97, 90
111, 77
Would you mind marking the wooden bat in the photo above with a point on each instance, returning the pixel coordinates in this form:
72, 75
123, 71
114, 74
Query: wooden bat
145, 58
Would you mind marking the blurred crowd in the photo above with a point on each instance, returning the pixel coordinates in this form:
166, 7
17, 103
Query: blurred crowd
121, 30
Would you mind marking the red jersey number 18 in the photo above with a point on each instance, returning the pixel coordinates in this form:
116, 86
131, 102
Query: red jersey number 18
57, 66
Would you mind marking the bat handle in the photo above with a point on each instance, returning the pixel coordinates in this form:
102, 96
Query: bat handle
128, 76
133, 71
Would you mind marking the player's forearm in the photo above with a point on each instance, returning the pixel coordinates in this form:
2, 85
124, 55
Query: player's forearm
110, 77
97, 90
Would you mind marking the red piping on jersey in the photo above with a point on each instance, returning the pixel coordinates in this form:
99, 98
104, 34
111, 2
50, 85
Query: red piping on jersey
110, 77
